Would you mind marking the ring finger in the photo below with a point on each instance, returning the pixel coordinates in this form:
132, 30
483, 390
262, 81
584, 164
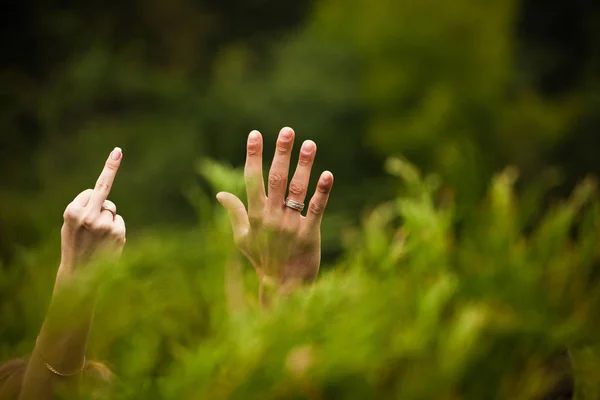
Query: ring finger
110, 207
299, 183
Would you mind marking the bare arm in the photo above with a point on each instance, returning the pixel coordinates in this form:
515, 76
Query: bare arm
92, 230
59, 354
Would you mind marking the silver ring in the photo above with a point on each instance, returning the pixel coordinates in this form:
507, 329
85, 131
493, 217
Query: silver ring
294, 205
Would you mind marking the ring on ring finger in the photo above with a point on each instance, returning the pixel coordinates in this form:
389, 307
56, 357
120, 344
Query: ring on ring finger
109, 206
294, 205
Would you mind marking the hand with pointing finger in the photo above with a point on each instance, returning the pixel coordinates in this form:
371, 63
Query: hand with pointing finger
91, 224
283, 245
91, 229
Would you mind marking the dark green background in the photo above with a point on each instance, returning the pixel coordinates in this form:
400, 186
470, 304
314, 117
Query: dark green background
463, 89
447, 278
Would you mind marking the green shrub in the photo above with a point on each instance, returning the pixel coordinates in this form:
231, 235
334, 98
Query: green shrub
419, 306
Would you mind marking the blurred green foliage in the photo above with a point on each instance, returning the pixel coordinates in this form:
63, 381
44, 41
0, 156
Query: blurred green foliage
436, 285
414, 308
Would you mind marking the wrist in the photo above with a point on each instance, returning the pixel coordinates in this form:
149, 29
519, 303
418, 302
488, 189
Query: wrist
270, 281
274, 287
73, 292
70, 260
282, 284
66, 269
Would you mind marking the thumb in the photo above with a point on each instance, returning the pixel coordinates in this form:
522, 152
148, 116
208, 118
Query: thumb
237, 213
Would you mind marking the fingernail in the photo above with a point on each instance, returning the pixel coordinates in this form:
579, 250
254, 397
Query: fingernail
254, 137
116, 153
308, 147
325, 183
327, 177
286, 135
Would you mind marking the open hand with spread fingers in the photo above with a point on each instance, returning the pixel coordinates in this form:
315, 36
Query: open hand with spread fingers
283, 245
92, 226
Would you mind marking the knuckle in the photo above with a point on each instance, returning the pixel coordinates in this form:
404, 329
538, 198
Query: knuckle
110, 165
297, 189
253, 149
104, 227
316, 208
88, 222
86, 194
71, 214
304, 161
324, 189
282, 149
103, 186
276, 179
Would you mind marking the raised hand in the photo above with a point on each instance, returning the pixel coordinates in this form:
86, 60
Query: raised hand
283, 246
92, 228
91, 223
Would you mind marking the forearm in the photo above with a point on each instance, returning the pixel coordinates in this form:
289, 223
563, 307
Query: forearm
61, 343
92, 230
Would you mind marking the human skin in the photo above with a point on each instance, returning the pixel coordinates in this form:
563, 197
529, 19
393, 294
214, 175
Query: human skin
283, 245
92, 231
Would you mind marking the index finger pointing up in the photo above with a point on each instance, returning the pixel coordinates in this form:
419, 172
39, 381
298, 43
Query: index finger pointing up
106, 179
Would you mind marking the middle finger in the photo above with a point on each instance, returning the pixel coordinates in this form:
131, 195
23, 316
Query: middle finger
278, 175
106, 179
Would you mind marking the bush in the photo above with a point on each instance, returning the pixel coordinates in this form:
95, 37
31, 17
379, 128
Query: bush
419, 306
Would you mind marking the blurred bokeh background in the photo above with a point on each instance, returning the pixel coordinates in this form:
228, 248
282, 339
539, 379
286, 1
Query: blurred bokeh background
461, 89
